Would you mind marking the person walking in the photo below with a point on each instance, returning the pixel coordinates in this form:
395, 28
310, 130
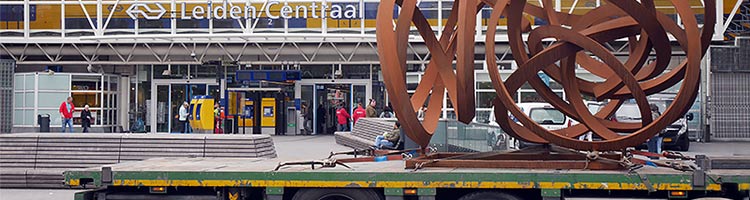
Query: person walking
654, 144
86, 118
66, 113
183, 117
342, 118
371, 111
359, 113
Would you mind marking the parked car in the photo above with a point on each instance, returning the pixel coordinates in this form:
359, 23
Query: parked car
543, 114
675, 136
593, 107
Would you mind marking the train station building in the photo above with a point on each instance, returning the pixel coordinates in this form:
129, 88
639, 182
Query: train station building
134, 62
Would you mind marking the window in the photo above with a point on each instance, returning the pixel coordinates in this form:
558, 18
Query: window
547, 116
483, 116
484, 99
154, 24
484, 85
86, 89
628, 113
505, 66
535, 97
316, 71
356, 71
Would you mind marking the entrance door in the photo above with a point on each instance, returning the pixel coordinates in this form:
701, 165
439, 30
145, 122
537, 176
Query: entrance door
324, 96
330, 98
170, 95
161, 109
179, 94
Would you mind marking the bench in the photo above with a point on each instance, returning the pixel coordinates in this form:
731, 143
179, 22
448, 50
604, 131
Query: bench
364, 132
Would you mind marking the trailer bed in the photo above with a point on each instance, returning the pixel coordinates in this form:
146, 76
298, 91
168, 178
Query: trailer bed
259, 173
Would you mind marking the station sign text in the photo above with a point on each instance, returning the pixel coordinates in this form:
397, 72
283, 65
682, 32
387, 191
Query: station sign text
272, 9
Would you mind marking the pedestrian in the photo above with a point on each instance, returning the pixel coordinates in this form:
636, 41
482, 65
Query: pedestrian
421, 112
387, 112
654, 144
217, 119
371, 111
66, 113
389, 139
86, 118
183, 117
306, 115
342, 118
359, 113
321, 118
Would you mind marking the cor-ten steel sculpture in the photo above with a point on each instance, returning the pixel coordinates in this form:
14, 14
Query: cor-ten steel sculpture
576, 37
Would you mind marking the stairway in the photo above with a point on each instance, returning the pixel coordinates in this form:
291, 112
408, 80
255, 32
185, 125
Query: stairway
37, 160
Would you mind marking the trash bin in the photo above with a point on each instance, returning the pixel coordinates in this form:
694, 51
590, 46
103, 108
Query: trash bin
43, 120
291, 121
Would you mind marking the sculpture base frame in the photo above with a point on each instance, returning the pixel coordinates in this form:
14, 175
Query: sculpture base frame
537, 157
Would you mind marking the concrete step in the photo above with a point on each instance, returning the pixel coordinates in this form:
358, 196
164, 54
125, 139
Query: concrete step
37, 160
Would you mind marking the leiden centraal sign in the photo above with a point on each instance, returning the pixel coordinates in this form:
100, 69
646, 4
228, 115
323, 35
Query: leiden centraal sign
155, 11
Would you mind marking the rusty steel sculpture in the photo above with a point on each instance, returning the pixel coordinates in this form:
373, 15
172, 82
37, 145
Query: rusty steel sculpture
575, 37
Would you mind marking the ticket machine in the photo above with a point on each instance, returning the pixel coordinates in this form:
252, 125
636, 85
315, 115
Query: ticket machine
202, 110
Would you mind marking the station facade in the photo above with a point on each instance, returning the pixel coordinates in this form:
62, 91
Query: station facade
135, 61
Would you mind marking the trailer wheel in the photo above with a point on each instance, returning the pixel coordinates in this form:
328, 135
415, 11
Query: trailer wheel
336, 194
488, 196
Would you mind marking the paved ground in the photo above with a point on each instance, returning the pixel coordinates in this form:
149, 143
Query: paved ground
305, 147
313, 147
720, 149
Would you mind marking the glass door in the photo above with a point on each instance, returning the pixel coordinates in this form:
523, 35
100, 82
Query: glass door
162, 107
359, 96
321, 109
328, 98
179, 94
169, 95
323, 98
308, 100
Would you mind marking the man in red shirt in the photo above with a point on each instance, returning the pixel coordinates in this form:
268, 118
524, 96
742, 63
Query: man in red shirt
342, 117
66, 113
359, 113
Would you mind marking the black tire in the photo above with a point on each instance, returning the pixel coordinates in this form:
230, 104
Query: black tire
684, 143
488, 195
336, 194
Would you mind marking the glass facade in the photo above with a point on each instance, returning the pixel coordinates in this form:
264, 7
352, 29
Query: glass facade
139, 98
43, 93
154, 93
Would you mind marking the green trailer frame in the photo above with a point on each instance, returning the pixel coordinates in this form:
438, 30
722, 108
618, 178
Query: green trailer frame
394, 181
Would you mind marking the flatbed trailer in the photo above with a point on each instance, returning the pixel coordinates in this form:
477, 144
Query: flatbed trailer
232, 179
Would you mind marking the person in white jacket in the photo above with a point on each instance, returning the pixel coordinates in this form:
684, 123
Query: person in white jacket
183, 117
